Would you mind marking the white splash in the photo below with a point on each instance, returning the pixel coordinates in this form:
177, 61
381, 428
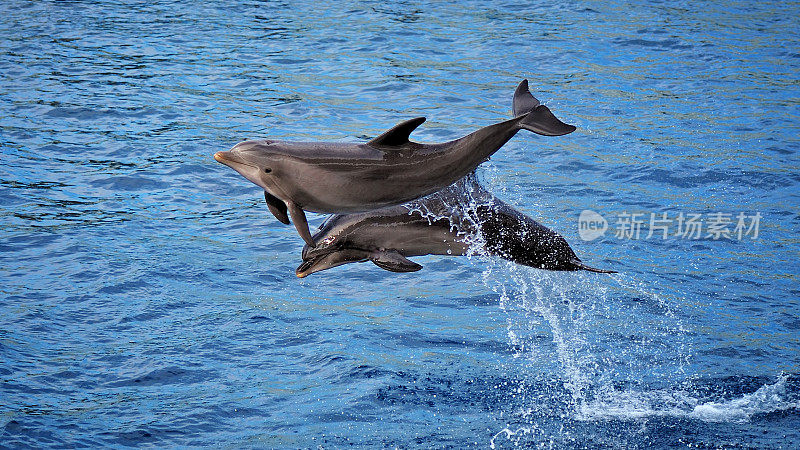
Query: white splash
606, 334
680, 403
768, 398
524, 435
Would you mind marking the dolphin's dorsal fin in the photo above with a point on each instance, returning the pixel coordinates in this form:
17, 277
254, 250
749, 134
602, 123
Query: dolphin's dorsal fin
397, 135
393, 261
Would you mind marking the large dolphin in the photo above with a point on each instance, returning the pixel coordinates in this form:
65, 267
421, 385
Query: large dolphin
388, 170
388, 236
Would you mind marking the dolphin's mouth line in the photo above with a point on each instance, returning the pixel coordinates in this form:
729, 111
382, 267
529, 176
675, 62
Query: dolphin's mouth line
304, 267
310, 262
245, 169
228, 157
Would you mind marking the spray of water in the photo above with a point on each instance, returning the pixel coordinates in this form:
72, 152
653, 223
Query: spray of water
619, 350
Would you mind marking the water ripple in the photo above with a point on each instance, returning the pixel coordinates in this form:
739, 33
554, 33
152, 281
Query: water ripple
149, 297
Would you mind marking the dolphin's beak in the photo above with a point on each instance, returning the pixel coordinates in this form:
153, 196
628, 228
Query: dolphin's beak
227, 158
231, 158
303, 270
245, 168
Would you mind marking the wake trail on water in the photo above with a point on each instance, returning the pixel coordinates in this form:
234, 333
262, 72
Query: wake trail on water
619, 350
622, 352
615, 362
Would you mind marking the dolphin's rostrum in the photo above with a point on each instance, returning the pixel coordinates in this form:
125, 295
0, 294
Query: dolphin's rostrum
388, 170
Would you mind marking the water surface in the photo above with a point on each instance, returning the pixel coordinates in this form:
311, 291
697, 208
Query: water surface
149, 298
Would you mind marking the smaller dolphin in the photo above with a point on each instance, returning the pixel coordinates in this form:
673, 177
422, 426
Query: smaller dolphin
388, 236
328, 177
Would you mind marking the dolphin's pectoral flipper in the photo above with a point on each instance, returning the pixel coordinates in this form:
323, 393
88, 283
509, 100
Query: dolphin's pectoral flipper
397, 135
300, 223
277, 208
393, 261
536, 117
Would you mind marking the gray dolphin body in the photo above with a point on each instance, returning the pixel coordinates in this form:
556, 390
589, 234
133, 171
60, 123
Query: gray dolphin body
388, 170
388, 236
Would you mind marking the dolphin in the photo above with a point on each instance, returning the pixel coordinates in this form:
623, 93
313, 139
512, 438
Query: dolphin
326, 177
388, 236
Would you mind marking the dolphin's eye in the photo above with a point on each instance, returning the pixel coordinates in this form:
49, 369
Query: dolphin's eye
267, 170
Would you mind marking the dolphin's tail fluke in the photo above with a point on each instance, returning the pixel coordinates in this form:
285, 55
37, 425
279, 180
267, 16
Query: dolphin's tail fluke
581, 266
536, 117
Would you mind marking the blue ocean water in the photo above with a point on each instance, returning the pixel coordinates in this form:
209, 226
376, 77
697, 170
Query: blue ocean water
149, 298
